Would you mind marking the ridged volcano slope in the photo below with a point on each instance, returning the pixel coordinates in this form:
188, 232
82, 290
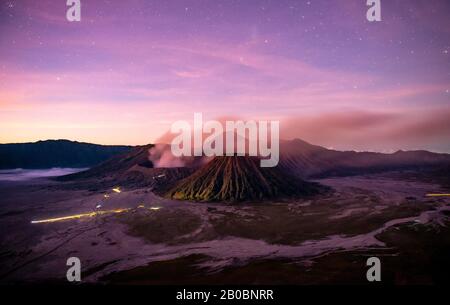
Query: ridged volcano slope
235, 178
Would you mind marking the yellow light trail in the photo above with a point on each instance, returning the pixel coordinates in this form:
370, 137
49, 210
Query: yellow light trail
78, 216
141, 206
438, 195
117, 190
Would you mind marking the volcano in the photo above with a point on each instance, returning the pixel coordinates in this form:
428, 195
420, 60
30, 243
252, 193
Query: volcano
239, 178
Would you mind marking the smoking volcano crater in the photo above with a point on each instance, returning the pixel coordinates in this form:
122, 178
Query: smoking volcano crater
240, 178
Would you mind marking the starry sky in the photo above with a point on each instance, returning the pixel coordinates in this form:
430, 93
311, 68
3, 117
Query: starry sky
131, 68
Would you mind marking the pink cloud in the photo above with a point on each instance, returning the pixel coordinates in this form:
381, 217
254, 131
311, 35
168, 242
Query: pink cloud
373, 130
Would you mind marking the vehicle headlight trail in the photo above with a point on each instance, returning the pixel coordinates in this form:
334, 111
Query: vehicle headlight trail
78, 216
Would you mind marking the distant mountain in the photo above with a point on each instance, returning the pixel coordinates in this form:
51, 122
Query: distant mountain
240, 178
297, 158
56, 153
132, 168
118, 164
307, 160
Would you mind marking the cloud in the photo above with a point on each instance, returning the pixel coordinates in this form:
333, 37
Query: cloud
374, 130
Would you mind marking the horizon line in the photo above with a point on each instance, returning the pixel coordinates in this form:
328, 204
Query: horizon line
287, 140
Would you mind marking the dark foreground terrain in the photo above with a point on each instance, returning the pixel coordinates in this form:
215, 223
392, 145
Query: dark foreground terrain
136, 237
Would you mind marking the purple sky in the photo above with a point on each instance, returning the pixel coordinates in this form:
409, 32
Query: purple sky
130, 68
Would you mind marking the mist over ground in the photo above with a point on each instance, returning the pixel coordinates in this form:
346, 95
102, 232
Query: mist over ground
20, 174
